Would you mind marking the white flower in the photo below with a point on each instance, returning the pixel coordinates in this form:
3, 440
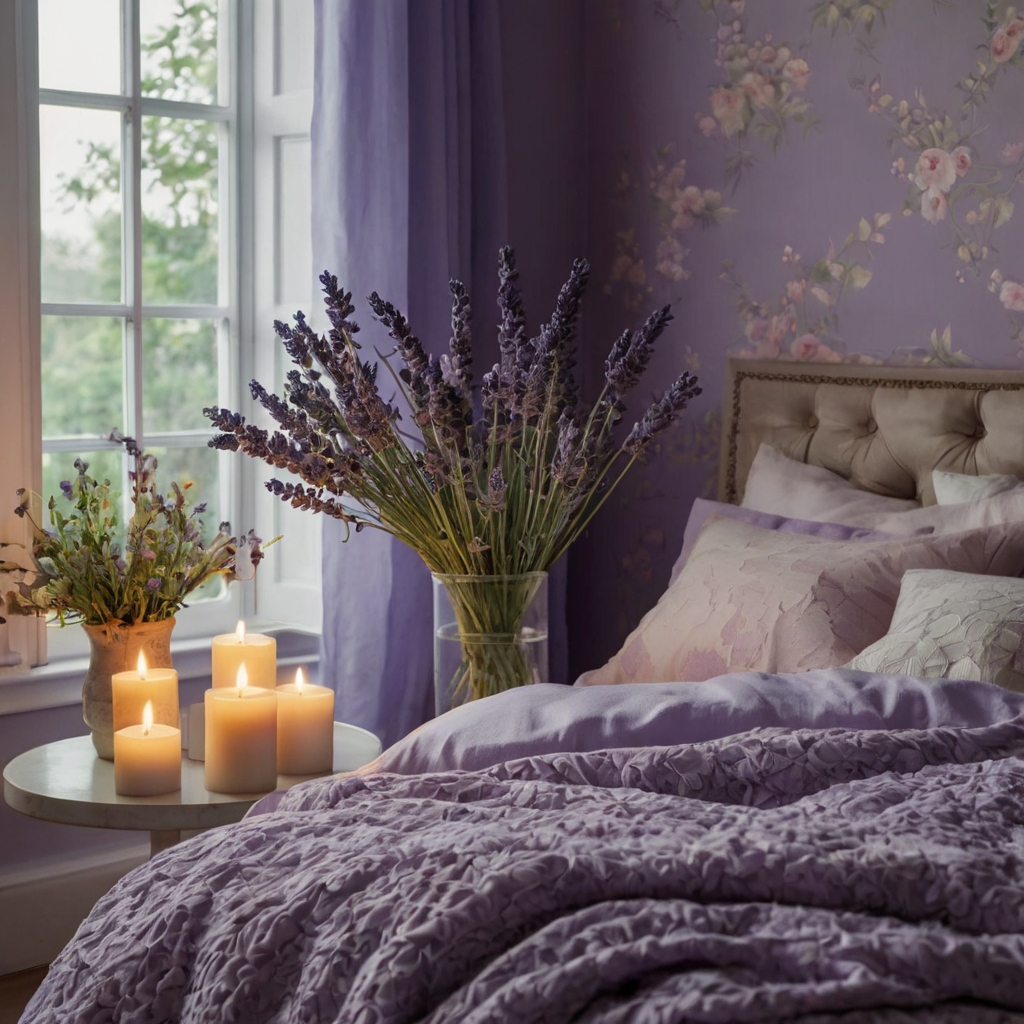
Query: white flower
935, 170
933, 205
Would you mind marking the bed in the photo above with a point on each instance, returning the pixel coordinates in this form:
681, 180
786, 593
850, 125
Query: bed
810, 843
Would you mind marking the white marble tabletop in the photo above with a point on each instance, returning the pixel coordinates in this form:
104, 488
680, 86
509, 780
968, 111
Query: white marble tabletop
66, 782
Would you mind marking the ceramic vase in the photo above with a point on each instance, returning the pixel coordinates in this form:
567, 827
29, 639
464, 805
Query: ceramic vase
115, 647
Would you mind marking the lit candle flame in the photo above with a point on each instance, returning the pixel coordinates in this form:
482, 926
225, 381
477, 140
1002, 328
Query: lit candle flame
241, 680
240, 631
147, 718
141, 666
299, 681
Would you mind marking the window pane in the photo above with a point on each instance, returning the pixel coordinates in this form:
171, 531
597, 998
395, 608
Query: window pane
80, 199
179, 49
58, 466
179, 210
179, 373
81, 369
80, 45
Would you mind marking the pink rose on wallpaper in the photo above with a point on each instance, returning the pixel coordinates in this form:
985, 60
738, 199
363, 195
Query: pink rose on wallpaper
1006, 40
933, 206
797, 71
935, 170
685, 205
809, 349
1011, 295
961, 157
729, 107
759, 90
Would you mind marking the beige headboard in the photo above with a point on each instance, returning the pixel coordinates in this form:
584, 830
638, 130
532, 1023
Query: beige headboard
885, 428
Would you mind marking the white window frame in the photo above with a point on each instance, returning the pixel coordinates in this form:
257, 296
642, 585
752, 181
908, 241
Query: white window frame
278, 604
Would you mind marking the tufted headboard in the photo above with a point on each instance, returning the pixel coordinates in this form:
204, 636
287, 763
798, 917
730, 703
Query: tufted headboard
885, 428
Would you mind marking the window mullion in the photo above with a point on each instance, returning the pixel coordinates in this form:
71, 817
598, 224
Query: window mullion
132, 218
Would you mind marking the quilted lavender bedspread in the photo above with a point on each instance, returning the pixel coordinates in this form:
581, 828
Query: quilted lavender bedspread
800, 876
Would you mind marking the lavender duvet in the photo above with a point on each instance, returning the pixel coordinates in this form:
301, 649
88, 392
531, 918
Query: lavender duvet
775, 875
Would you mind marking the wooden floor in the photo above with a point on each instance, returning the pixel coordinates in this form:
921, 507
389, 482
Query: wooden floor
15, 992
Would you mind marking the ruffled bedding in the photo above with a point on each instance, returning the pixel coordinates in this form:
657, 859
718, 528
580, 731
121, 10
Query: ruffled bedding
830, 873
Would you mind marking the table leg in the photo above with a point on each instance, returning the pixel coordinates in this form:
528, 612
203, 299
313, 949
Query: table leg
163, 840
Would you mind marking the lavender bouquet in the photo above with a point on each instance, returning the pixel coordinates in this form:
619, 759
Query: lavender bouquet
498, 487
91, 569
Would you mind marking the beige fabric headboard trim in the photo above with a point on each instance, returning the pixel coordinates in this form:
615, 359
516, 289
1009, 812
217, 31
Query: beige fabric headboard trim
882, 427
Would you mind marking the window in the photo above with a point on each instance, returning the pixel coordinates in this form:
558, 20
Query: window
138, 206
160, 123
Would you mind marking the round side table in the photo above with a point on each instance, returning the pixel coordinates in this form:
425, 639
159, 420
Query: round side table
66, 782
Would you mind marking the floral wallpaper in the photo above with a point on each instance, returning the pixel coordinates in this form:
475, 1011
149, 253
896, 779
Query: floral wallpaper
825, 180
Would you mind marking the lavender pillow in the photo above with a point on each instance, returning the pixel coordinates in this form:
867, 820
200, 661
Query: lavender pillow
763, 600
702, 509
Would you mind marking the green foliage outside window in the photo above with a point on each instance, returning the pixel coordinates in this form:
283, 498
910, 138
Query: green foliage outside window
82, 356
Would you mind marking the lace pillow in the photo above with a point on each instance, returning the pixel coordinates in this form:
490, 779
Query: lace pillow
953, 625
758, 599
786, 487
954, 488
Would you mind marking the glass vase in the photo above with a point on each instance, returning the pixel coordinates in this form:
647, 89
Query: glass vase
490, 635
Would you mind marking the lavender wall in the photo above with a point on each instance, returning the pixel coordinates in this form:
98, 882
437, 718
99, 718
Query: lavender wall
881, 142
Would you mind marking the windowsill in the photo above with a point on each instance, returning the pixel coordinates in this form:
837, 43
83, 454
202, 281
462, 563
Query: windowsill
59, 682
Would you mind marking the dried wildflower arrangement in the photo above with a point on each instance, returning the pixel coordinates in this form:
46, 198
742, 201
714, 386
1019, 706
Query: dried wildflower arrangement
91, 569
495, 486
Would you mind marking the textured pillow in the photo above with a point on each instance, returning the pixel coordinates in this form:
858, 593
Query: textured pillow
785, 487
777, 602
953, 625
702, 509
954, 488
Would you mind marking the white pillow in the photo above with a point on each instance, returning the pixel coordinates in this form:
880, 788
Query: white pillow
785, 487
953, 625
955, 488
1007, 507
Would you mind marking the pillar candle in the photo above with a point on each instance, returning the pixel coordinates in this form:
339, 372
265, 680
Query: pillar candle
147, 758
305, 728
133, 689
241, 738
258, 653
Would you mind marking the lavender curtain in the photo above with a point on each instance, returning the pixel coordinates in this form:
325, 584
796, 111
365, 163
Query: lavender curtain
408, 191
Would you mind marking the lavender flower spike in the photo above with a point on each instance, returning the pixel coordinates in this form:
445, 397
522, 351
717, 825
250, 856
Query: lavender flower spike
626, 362
661, 414
460, 348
